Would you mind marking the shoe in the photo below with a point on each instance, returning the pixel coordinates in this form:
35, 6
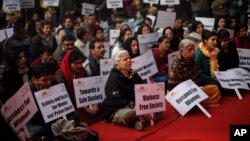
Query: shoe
138, 126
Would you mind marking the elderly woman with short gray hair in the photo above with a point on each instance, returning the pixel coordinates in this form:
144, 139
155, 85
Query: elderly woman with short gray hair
185, 67
120, 95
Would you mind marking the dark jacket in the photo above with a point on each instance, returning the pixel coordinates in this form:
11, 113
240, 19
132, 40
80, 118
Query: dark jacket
119, 91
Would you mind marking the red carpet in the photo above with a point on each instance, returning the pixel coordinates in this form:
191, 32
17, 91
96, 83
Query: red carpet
195, 126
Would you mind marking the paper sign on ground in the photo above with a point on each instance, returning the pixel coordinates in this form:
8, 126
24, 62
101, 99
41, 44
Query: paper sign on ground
231, 79
149, 98
145, 65
171, 57
185, 96
27, 4
245, 73
114, 34
54, 102
207, 22
113, 4
106, 66
11, 5
170, 2
165, 19
54, 3
20, 108
88, 9
244, 56
89, 90
151, 1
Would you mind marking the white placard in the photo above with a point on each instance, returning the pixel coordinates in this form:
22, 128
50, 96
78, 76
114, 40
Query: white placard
152, 18
149, 98
185, 96
165, 19
245, 73
54, 3
171, 57
231, 31
107, 49
151, 1
5, 33
170, 2
88, 9
89, 90
114, 34
113, 4
20, 108
105, 66
207, 22
27, 4
54, 102
146, 41
244, 57
11, 5
231, 79
145, 65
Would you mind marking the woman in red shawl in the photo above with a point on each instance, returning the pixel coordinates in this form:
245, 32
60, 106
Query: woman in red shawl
71, 68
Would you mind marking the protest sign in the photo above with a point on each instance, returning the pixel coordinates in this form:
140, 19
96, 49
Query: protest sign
145, 65
54, 102
88, 9
245, 73
207, 22
146, 41
170, 2
105, 67
149, 98
89, 90
113, 4
54, 3
151, 2
185, 96
153, 19
244, 57
27, 4
20, 108
114, 34
165, 19
5, 33
107, 49
11, 5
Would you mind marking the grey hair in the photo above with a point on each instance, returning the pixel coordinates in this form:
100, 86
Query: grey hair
117, 57
185, 43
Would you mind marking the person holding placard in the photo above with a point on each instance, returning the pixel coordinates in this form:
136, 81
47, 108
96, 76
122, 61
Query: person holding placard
240, 39
82, 41
123, 36
228, 57
196, 31
169, 32
132, 46
207, 56
119, 105
220, 22
185, 67
161, 59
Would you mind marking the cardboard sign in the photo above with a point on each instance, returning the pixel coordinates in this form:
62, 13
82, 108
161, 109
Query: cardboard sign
165, 19
54, 102
5, 33
54, 3
114, 34
113, 4
145, 65
27, 4
231, 79
106, 66
245, 73
170, 2
146, 41
88, 9
151, 1
244, 56
11, 5
149, 98
171, 59
107, 49
89, 90
207, 22
20, 108
185, 96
